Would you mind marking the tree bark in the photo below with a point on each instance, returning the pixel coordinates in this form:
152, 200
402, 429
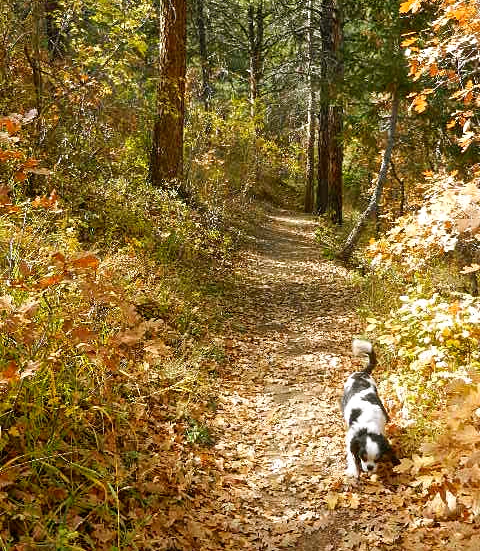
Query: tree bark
323, 151
401, 208
326, 28
335, 120
56, 39
166, 160
354, 236
308, 202
335, 162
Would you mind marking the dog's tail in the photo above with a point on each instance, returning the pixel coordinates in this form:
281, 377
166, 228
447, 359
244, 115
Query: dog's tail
364, 349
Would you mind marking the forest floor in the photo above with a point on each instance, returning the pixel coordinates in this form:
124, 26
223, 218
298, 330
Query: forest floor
279, 434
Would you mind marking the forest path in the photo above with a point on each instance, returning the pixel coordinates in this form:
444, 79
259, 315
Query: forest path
280, 432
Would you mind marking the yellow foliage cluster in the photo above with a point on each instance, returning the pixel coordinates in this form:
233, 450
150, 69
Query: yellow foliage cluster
450, 214
448, 58
231, 160
446, 473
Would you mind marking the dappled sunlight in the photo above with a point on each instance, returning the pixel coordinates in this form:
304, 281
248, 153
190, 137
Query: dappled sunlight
282, 431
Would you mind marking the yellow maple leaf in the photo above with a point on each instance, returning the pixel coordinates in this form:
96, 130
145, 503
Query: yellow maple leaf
409, 42
410, 5
332, 500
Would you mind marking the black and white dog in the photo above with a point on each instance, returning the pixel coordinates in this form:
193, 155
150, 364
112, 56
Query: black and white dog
365, 416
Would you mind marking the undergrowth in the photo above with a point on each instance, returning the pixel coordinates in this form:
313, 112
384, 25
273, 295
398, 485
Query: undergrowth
107, 369
427, 334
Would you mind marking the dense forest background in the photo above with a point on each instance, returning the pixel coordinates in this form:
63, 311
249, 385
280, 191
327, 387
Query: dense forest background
140, 143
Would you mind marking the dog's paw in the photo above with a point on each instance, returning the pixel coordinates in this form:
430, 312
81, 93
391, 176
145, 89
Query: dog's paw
352, 472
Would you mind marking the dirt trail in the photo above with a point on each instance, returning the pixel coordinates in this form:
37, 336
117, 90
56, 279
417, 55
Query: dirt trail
281, 433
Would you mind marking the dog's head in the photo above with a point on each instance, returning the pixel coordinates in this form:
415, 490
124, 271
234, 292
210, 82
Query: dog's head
369, 449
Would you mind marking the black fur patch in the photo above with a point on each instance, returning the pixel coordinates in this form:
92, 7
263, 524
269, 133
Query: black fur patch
358, 445
373, 398
354, 415
361, 382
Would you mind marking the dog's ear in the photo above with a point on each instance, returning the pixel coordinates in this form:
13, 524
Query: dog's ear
355, 446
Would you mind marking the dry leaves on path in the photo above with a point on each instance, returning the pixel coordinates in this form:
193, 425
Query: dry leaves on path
279, 453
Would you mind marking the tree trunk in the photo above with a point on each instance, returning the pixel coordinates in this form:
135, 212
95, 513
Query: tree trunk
335, 121
354, 236
56, 39
34, 58
323, 151
202, 45
335, 162
308, 203
401, 208
326, 29
166, 160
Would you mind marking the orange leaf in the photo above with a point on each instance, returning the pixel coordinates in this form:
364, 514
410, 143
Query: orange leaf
20, 176
410, 5
433, 70
87, 261
49, 281
59, 257
454, 308
10, 372
10, 124
81, 334
419, 103
409, 42
8, 155
47, 202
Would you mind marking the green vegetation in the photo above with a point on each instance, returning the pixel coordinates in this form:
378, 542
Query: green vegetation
111, 281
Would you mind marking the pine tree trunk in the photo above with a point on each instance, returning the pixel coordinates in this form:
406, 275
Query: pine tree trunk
323, 152
326, 29
354, 236
335, 122
166, 160
308, 203
335, 164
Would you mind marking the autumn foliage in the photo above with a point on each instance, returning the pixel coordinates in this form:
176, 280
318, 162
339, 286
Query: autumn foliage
93, 448
432, 334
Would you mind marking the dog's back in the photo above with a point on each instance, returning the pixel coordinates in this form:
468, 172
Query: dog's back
360, 388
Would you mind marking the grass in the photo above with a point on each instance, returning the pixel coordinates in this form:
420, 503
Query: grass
107, 371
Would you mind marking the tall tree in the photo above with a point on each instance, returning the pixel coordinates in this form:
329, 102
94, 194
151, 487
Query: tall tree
326, 29
330, 152
166, 160
309, 184
335, 122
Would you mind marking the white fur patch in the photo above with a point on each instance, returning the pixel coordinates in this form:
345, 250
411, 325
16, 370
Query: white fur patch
368, 416
372, 450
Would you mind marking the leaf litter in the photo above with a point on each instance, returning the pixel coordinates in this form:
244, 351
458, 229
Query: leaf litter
279, 455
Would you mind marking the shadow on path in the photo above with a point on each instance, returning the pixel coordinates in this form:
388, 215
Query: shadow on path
293, 319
